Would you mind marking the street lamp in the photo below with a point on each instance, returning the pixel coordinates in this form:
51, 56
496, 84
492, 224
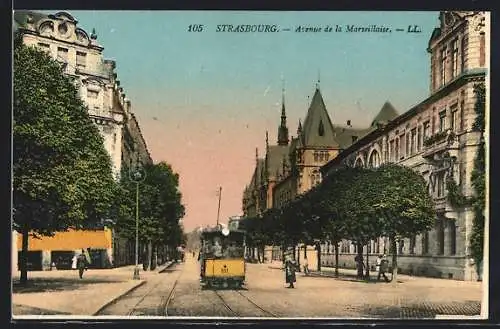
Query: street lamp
137, 175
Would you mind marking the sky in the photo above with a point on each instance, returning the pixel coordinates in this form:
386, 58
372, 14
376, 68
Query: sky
204, 100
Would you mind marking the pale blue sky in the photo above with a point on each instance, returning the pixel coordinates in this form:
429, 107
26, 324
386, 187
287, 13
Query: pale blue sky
163, 66
205, 100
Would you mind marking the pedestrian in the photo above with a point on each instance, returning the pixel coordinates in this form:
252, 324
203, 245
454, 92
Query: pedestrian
360, 265
81, 263
306, 267
290, 273
73, 262
381, 267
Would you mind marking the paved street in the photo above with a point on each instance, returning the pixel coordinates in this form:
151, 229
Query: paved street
177, 292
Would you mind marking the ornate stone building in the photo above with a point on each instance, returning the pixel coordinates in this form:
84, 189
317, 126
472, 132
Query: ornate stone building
436, 139
292, 166
82, 58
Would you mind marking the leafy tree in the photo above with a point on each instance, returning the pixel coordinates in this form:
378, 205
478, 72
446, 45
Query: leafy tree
478, 181
160, 208
403, 204
62, 174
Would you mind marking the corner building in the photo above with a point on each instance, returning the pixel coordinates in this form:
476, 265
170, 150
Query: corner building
99, 87
436, 139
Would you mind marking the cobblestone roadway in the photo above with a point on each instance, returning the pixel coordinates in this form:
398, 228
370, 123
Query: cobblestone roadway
313, 297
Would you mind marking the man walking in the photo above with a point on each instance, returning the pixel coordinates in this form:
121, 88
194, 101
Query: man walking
81, 264
381, 267
290, 273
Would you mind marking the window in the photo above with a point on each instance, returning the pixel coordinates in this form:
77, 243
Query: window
440, 237
453, 237
402, 146
443, 66
413, 141
427, 129
401, 245
92, 93
440, 185
482, 54
396, 153
81, 60
408, 144
425, 243
419, 138
44, 46
454, 58
391, 150
462, 55
62, 54
442, 121
413, 241
454, 118
462, 119
374, 159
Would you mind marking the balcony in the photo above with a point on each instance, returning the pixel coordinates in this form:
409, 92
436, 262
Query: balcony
439, 142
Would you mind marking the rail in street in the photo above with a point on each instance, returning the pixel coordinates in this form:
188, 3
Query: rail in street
178, 293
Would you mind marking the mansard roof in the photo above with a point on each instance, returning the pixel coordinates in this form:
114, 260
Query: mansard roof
318, 129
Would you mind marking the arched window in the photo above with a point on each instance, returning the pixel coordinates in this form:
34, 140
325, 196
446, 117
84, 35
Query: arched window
358, 163
374, 161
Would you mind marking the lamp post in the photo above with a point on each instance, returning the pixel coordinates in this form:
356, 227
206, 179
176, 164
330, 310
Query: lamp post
137, 175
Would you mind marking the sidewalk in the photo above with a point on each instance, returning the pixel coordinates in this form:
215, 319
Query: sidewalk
64, 293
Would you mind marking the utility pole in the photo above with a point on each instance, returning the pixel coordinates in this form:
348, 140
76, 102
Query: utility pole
218, 209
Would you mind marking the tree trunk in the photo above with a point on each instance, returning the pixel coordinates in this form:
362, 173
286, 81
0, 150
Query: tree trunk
298, 258
318, 251
360, 256
394, 261
367, 264
263, 251
336, 259
305, 251
23, 261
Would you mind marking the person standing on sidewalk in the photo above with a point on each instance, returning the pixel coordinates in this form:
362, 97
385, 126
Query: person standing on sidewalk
381, 267
290, 273
306, 267
81, 263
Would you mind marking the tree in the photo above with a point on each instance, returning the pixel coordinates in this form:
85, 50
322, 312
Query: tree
62, 175
403, 204
160, 208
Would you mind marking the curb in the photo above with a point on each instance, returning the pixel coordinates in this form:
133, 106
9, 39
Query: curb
166, 267
112, 301
129, 291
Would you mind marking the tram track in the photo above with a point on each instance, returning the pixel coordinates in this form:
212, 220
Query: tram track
162, 308
248, 299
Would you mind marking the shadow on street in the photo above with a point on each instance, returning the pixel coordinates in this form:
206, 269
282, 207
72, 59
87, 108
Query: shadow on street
56, 284
349, 277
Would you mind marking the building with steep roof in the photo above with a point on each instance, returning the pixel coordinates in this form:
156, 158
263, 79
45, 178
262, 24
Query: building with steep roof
81, 57
435, 138
292, 166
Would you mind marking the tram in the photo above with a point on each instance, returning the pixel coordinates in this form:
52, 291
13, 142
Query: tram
222, 257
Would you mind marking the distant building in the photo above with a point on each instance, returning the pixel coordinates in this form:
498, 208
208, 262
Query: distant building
436, 139
82, 58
